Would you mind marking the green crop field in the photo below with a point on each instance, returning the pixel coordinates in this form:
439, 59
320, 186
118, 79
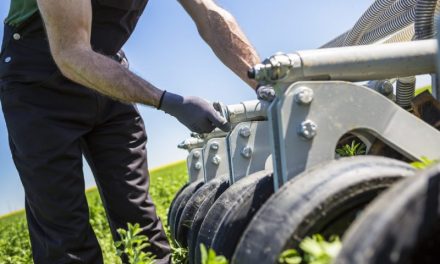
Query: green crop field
14, 237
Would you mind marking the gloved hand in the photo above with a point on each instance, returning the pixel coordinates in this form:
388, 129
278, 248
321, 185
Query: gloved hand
195, 113
266, 93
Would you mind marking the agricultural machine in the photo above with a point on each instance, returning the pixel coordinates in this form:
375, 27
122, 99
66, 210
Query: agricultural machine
276, 177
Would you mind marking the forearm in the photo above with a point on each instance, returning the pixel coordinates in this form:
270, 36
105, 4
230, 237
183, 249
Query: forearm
100, 73
229, 43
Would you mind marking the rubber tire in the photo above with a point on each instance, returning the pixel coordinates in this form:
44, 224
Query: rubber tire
398, 225
231, 213
185, 196
172, 210
196, 210
323, 200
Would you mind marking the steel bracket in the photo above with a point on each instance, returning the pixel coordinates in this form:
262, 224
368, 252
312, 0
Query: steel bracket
195, 164
305, 135
248, 149
215, 158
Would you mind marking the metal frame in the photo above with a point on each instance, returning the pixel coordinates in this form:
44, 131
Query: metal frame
249, 149
306, 131
195, 165
215, 158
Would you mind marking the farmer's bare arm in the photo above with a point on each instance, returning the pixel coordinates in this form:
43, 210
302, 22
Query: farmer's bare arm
68, 26
220, 30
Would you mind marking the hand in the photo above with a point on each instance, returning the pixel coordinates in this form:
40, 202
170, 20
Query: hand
195, 113
266, 93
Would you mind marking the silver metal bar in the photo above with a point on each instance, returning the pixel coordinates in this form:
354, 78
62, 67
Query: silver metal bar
247, 111
191, 143
359, 63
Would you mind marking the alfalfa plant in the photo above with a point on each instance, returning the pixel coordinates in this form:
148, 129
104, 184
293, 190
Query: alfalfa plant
210, 257
133, 245
315, 250
355, 149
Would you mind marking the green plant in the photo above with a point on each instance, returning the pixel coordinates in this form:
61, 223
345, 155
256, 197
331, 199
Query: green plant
210, 257
319, 251
133, 245
15, 247
423, 163
355, 149
315, 250
290, 256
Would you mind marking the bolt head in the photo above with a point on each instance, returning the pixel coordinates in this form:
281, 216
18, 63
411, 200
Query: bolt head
198, 166
386, 88
216, 160
196, 154
245, 132
246, 152
214, 146
303, 95
8, 59
308, 129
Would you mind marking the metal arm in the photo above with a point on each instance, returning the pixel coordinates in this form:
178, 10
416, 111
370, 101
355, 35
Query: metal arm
359, 63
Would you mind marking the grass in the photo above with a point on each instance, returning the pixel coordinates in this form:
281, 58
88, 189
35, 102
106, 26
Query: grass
14, 237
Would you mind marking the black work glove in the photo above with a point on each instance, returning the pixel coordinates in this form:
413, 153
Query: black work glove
265, 92
195, 113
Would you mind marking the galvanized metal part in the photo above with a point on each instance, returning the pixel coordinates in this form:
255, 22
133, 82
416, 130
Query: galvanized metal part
191, 143
308, 129
254, 110
358, 63
360, 110
249, 153
215, 158
195, 164
303, 95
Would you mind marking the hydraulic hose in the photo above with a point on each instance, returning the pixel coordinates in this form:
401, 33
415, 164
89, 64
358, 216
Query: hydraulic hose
390, 20
390, 27
396, 10
336, 42
406, 34
424, 26
364, 23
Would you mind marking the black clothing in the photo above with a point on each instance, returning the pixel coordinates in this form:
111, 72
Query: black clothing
52, 121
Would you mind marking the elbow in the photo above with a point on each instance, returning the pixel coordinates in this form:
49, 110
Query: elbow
64, 64
68, 60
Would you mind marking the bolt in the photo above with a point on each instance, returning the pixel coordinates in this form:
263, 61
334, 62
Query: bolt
8, 59
245, 132
214, 146
386, 88
303, 95
216, 160
308, 129
246, 152
196, 154
198, 166
16, 36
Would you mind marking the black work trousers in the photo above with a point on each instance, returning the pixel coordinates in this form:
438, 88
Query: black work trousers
51, 125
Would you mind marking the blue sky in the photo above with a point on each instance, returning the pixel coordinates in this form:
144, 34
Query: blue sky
166, 50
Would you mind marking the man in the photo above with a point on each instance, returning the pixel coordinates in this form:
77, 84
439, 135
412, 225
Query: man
63, 88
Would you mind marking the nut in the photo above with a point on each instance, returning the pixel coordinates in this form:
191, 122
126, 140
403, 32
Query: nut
303, 95
216, 160
247, 152
308, 129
